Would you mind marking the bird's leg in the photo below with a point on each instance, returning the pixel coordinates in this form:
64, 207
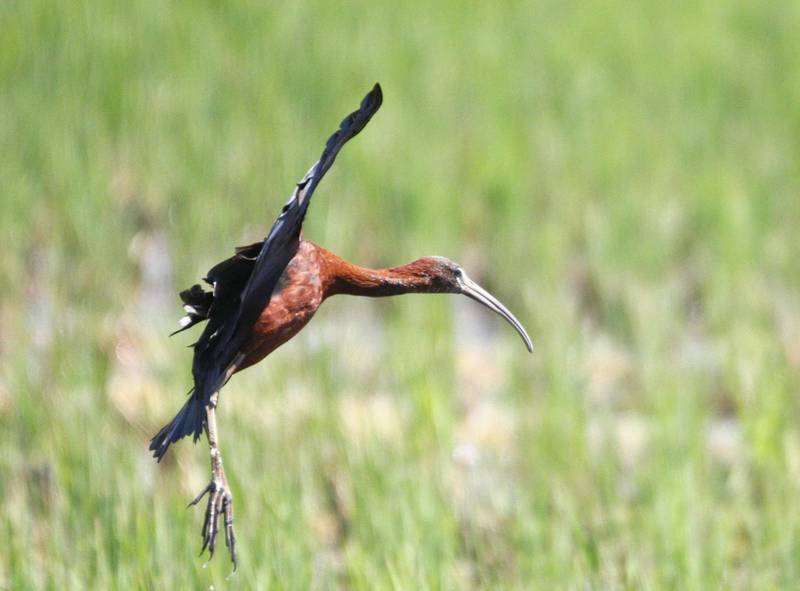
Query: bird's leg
220, 500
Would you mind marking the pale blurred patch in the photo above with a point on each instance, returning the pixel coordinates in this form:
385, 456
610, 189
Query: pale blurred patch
607, 366
124, 185
724, 441
374, 417
482, 485
489, 426
697, 351
791, 445
253, 397
139, 338
485, 435
156, 296
478, 354
354, 330
787, 320
38, 285
133, 385
6, 400
193, 475
627, 434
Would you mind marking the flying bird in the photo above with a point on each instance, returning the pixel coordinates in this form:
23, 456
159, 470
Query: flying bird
265, 294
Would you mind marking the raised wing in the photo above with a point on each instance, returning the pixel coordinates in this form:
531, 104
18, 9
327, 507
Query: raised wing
236, 308
283, 239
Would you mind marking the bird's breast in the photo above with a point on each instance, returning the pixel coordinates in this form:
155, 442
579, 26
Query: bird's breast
295, 299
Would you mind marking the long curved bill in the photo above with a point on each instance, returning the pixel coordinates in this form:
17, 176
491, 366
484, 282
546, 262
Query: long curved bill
474, 291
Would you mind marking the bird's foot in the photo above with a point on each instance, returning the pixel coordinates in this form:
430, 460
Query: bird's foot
220, 502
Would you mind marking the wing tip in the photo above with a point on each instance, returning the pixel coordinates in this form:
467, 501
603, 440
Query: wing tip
377, 93
371, 103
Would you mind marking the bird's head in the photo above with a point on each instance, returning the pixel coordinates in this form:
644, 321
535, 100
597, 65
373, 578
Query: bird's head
450, 277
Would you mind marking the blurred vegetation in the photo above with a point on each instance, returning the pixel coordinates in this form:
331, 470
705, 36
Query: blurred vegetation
623, 175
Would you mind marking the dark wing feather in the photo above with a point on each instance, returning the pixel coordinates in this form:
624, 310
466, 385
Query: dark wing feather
284, 238
197, 302
244, 283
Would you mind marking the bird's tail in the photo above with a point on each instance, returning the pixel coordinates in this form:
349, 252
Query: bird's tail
189, 420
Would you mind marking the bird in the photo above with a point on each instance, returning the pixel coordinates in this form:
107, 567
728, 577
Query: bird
267, 292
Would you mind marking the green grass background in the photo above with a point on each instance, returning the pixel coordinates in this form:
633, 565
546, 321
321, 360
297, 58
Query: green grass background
623, 175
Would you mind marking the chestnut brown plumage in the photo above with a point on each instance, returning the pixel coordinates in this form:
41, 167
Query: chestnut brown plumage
266, 293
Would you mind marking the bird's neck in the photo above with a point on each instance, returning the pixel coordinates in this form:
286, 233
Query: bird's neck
349, 279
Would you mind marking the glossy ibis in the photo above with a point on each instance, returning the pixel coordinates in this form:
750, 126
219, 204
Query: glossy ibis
266, 293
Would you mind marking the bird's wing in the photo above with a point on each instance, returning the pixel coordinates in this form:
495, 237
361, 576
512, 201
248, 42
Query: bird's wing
222, 340
283, 239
